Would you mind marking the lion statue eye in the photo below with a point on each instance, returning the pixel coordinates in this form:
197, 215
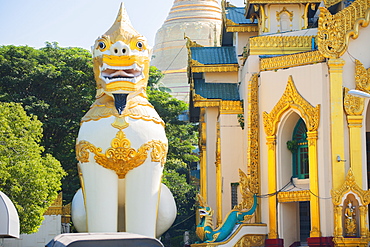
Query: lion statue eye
102, 45
140, 45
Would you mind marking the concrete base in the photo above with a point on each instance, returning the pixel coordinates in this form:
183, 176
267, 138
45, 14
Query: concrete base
274, 242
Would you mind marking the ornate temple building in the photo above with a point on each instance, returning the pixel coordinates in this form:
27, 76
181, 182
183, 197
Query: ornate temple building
273, 101
198, 19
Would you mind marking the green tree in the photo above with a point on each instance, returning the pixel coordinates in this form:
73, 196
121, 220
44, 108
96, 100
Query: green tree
57, 85
154, 80
30, 179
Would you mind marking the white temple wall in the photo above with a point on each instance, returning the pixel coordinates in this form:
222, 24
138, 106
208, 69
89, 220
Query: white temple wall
284, 18
224, 77
288, 222
51, 227
232, 156
210, 118
240, 41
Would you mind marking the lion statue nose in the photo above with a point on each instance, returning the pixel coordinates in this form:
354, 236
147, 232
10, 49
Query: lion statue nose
120, 49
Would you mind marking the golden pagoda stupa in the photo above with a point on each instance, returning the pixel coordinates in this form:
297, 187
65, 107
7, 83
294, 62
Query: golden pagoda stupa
200, 20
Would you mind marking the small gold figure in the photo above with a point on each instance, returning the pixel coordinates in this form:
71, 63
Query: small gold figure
350, 221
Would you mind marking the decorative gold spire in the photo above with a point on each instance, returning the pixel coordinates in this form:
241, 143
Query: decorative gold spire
122, 27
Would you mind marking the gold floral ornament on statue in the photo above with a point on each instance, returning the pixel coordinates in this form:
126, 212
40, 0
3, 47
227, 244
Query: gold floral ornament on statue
121, 157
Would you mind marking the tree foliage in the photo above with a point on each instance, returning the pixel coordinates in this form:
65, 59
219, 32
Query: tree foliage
57, 85
30, 179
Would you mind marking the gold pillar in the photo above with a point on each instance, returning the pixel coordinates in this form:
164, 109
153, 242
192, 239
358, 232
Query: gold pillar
354, 106
338, 227
363, 229
271, 143
355, 124
218, 177
203, 155
314, 184
337, 117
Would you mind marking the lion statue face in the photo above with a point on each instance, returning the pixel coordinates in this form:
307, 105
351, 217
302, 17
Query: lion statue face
121, 59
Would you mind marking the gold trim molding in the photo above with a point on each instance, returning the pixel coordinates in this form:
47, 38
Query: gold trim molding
334, 31
199, 67
121, 157
294, 60
253, 135
226, 106
291, 99
294, 196
246, 28
270, 45
281, 1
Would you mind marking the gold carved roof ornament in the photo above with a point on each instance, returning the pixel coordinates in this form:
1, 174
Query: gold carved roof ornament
190, 43
362, 77
350, 186
121, 157
353, 105
334, 31
236, 27
293, 60
291, 99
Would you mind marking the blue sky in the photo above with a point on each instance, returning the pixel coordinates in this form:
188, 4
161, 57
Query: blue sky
76, 22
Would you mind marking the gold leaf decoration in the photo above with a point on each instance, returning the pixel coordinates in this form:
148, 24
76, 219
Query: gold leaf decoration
353, 105
121, 157
362, 77
251, 240
294, 196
